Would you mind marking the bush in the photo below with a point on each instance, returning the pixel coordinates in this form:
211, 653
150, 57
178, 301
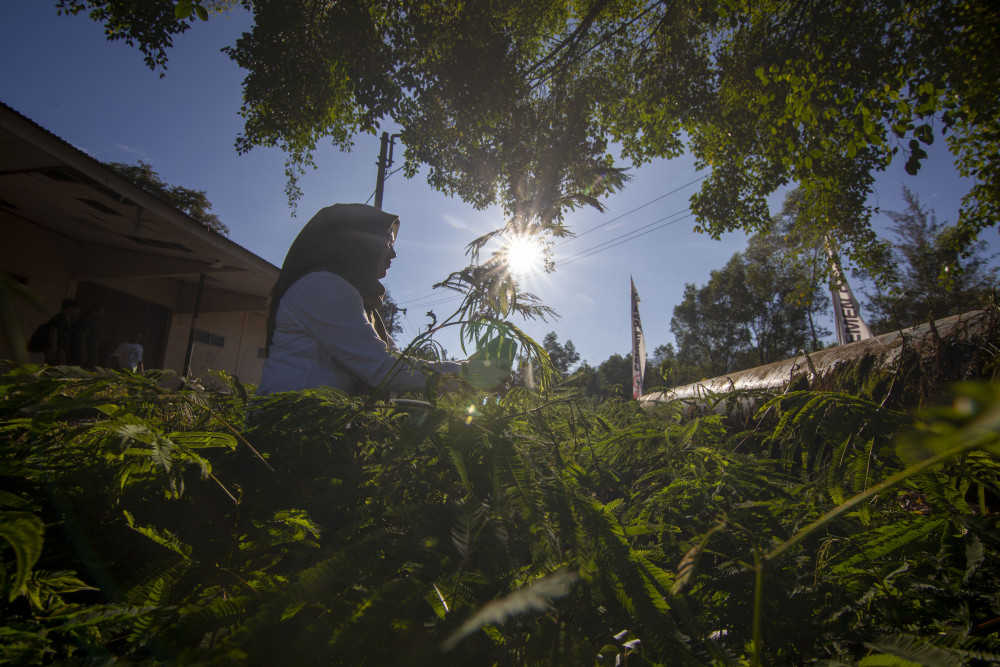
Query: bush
144, 524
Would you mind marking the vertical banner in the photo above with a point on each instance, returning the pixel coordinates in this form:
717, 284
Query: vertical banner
846, 313
638, 346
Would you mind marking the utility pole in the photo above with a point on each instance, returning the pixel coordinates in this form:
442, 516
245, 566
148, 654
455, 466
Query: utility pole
384, 162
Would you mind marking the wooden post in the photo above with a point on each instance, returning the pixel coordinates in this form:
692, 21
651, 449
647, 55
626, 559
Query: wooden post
194, 321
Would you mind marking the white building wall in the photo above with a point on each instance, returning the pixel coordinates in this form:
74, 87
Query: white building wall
44, 260
250, 361
242, 333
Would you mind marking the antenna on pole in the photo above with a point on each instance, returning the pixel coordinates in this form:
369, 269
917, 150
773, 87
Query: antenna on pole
384, 162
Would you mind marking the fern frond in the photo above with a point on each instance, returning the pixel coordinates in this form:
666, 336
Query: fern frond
23, 532
877, 543
536, 597
220, 613
919, 651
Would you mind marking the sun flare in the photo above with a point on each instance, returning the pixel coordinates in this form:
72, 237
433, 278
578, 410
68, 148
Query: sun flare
524, 254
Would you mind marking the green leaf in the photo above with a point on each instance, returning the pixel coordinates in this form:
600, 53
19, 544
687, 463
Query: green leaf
23, 531
44, 590
887, 661
202, 439
165, 538
536, 597
291, 610
11, 500
913, 650
686, 568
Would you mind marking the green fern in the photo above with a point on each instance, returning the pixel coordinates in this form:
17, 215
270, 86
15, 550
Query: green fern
316, 527
23, 533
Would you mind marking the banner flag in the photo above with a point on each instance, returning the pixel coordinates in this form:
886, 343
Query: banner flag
846, 313
638, 346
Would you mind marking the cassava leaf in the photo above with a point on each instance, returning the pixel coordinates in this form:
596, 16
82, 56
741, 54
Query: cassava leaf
23, 532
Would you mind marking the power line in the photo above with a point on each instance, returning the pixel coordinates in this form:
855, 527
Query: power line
437, 298
415, 301
631, 238
638, 208
442, 299
621, 238
599, 246
593, 250
654, 226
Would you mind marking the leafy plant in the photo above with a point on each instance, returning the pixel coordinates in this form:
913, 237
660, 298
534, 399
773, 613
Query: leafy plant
143, 524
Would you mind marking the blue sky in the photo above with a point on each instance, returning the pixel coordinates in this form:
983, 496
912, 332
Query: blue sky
62, 73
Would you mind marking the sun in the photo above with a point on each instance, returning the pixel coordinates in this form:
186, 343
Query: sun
523, 254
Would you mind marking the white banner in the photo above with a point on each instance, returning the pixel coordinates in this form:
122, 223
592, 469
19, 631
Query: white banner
846, 313
638, 346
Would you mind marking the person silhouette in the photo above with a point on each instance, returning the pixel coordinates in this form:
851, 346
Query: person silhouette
54, 338
86, 336
323, 326
129, 354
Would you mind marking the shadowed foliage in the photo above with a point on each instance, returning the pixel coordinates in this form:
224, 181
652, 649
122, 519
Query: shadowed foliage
147, 525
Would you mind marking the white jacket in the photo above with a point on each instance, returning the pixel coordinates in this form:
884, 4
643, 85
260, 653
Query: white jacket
322, 337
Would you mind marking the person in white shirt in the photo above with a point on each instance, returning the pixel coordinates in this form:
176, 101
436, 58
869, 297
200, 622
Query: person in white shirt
323, 326
129, 355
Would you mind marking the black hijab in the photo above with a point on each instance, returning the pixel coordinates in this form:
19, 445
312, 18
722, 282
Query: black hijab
346, 239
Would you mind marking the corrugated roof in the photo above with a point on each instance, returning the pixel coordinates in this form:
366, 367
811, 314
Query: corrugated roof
46, 181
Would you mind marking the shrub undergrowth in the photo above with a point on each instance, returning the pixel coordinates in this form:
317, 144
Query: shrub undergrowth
145, 525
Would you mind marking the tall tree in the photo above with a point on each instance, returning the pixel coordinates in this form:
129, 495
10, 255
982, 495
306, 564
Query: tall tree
793, 257
390, 312
710, 323
785, 298
759, 308
614, 376
563, 356
763, 93
800, 230
192, 202
932, 279
665, 370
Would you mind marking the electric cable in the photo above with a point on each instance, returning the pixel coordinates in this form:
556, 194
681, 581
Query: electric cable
632, 238
638, 208
625, 238
628, 234
656, 225
593, 250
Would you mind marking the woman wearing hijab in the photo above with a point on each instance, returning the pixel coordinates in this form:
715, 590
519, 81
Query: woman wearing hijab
323, 326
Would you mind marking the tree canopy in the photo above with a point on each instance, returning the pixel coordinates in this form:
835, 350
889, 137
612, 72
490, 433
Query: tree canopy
930, 280
533, 105
192, 202
759, 308
562, 355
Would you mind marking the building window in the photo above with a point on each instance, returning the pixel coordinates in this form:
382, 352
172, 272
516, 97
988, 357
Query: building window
209, 338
